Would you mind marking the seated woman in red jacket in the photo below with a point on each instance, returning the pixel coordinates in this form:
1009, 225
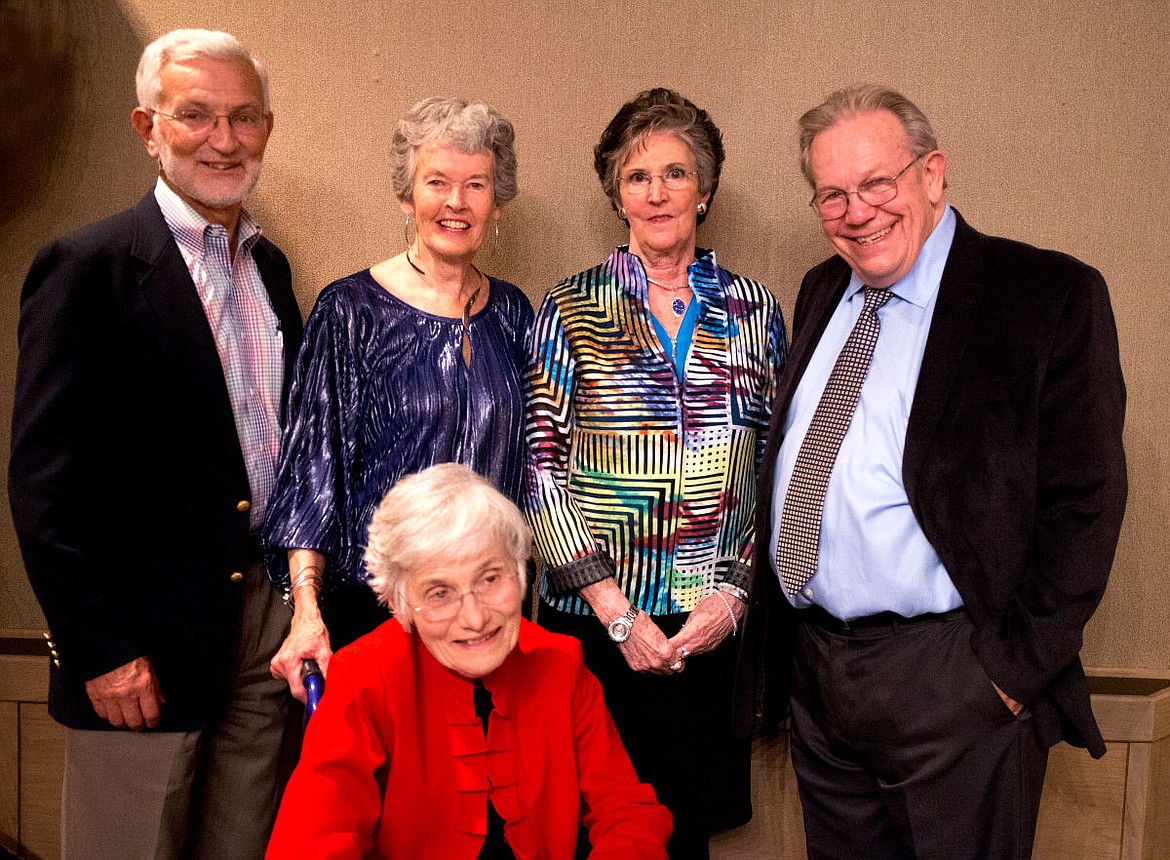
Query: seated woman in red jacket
457, 729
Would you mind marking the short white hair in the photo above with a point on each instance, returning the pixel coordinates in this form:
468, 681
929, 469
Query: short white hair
446, 512
179, 46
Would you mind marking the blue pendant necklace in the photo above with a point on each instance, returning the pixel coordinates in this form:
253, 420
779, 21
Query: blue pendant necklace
677, 304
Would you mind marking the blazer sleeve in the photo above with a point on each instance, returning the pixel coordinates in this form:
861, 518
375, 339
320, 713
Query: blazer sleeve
57, 472
1080, 497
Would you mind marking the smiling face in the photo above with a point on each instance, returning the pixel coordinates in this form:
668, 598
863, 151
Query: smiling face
663, 220
213, 171
481, 634
880, 243
452, 201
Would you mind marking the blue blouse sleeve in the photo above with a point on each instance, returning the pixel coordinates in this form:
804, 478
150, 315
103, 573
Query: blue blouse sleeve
308, 507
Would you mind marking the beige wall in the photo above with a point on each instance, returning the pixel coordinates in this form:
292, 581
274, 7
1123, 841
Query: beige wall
1052, 114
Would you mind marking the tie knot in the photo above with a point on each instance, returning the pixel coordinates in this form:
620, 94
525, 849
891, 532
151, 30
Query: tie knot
875, 297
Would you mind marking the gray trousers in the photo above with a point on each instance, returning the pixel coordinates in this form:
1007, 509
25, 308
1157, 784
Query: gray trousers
210, 793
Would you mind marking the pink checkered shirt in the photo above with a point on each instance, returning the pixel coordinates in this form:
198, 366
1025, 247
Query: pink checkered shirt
247, 332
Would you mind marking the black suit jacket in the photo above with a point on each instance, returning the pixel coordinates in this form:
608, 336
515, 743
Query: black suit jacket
127, 482
1013, 466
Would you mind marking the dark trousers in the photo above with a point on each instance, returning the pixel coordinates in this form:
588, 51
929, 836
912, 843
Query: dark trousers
903, 749
676, 728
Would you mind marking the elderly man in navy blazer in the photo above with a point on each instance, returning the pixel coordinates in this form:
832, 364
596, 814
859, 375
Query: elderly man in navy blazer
941, 499
154, 349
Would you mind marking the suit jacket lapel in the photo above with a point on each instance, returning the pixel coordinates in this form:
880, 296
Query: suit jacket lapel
823, 301
959, 296
167, 287
818, 299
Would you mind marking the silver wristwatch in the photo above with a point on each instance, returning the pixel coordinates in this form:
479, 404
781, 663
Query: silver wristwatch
619, 629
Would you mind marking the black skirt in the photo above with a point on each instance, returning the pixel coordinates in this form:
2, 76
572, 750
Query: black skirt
676, 728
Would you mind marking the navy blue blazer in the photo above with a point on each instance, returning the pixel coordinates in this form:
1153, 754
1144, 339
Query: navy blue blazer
1013, 466
127, 483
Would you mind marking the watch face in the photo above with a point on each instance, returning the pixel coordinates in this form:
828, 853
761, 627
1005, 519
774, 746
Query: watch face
619, 631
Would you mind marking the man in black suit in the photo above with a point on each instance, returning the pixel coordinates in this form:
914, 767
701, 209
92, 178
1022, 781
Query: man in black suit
154, 348
940, 502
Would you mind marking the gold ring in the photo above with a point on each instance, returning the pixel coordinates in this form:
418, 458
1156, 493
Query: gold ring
677, 666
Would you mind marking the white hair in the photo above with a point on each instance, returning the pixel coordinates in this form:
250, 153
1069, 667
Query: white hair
179, 46
446, 512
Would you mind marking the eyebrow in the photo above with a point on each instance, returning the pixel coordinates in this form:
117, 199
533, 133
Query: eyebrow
883, 174
201, 105
427, 580
681, 164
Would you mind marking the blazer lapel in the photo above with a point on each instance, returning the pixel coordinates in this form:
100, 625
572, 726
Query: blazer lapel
959, 295
167, 288
815, 305
823, 296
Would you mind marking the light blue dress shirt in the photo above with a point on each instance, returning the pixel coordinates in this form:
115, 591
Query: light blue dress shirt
873, 555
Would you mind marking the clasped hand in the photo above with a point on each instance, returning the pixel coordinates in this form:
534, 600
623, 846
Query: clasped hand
649, 650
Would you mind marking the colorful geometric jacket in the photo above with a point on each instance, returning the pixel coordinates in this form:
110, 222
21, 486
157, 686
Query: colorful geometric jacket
631, 474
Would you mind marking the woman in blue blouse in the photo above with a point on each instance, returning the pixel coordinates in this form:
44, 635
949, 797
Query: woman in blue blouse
412, 362
649, 391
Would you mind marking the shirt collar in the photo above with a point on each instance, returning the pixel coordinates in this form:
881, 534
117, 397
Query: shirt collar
703, 274
920, 284
190, 229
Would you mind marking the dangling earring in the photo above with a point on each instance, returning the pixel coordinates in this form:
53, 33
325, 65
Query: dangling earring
495, 240
701, 209
622, 213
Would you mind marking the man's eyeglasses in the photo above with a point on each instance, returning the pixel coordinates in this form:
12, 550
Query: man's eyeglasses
832, 203
638, 182
246, 122
494, 588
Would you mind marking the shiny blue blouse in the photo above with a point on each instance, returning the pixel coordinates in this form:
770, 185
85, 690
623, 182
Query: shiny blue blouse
380, 391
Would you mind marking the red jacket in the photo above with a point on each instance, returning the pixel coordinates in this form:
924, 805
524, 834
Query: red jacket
395, 763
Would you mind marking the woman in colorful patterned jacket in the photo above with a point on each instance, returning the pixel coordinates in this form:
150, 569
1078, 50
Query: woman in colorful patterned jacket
648, 398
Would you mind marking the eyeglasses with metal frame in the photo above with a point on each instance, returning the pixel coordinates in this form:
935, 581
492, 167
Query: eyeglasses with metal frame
197, 121
832, 203
493, 588
638, 182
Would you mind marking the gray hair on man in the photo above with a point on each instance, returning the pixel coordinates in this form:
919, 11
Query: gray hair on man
179, 46
443, 512
468, 126
860, 99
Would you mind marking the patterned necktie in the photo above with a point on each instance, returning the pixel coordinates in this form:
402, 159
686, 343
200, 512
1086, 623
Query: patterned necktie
800, 522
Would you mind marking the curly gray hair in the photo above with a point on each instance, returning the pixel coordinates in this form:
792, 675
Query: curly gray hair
659, 110
469, 126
